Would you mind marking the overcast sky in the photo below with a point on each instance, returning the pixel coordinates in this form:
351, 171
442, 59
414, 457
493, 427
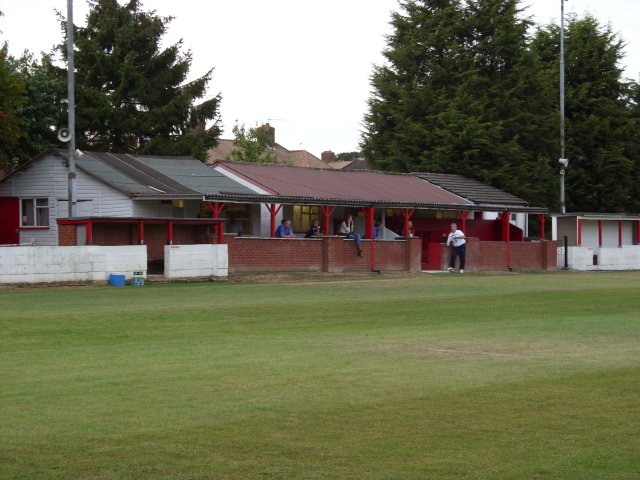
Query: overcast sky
301, 65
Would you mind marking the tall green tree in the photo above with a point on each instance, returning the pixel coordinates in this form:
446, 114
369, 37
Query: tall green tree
406, 127
40, 114
133, 96
460, 93
252, 145
601, 116
12, 97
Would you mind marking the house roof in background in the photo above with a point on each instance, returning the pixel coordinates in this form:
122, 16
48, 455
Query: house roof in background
299, 158
474, 190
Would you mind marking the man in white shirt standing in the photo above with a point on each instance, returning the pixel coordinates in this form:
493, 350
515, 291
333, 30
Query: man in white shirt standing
457, 239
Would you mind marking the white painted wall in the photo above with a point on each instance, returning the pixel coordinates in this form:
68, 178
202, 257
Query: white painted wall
47, 177
609, 258
44, 264
204, 260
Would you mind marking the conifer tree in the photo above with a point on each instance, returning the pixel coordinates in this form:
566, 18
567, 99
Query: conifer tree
601, 131
461, 94
133, 96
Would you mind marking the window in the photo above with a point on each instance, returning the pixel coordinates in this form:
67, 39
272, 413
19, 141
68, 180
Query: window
35, 212
303, 215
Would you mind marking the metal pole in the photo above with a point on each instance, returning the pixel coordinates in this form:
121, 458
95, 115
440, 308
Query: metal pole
72, 198
562, 207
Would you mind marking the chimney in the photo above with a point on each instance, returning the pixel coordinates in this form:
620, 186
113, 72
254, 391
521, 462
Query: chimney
271, 134
328, 156
199, 128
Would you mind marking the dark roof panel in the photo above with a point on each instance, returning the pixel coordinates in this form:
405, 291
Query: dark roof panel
149, 175
474, 190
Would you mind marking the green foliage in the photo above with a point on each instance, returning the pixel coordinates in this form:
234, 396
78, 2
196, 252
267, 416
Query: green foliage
601, 133
12, 97
253, 145
41, 114
344, 156
429, 377
131, 96
466, 90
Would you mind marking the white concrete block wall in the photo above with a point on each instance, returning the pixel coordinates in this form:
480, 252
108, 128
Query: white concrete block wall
609, 258
205, 260
34, 264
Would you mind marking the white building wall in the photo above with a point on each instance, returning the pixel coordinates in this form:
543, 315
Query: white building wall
48, 178
204, 260
64, 264
608, 258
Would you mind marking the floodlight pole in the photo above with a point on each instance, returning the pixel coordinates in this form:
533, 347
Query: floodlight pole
562, 165
72, 198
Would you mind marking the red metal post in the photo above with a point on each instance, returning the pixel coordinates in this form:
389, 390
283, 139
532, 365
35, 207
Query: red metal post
169, 232
637, 232
579, 232
327, 211
506, 235
216, 210
273, 211
368, 221
463, 214
141, 232
369, 213
541, 219
407, 213
88, 232
599, 233
620, 233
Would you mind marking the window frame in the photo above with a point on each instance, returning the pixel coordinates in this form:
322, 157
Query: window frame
37, 211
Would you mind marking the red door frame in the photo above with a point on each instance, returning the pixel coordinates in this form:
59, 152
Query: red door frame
9, 220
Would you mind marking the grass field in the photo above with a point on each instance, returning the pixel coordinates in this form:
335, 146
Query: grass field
520, 376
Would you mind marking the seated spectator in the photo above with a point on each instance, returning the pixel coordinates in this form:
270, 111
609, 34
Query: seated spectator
285, 230
314, 229
377, 230
346, 229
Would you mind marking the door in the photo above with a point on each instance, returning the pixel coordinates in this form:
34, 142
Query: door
9, 220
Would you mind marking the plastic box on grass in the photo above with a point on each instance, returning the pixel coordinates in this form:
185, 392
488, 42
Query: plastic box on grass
116, 280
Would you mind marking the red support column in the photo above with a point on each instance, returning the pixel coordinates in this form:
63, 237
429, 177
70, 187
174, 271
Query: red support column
368, 221
327, 211
141, 232
579, 232
407, 213
541, 219
600, 233
463, 214
637, 232
216, 210
169, 232
273, 211
619, 233
88, 232
369, 216
506, 234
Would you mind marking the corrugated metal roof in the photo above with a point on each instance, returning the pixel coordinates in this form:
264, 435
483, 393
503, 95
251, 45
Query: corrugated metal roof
362, 187
157, 175
194, 174
474, 190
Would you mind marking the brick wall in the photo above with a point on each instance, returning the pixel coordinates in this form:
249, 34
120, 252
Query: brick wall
326, 254
492, 256
67, 235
